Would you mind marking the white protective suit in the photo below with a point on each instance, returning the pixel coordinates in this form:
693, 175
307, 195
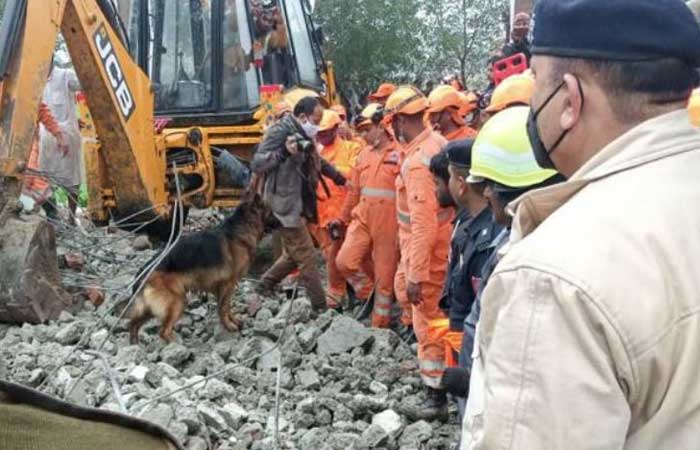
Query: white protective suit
59, 96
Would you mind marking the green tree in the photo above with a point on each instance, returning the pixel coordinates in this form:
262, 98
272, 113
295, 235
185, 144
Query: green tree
462, 34
414, 41
370, 41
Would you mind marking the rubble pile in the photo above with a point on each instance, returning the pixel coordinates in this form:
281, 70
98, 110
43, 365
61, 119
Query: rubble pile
342, 385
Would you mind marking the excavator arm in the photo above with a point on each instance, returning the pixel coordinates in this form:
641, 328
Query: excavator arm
121, 103
118, 93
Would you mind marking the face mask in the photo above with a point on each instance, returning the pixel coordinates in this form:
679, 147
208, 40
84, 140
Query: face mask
543, 156
326, 139
310, 129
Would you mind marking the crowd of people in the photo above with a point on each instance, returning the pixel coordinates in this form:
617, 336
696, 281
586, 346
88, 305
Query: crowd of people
525, 237
407, 205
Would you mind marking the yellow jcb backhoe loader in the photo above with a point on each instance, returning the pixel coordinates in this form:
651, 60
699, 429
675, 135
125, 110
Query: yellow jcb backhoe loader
168, 83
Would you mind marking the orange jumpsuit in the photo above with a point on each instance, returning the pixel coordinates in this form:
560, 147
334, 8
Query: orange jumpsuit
35, 186
464, 132
425, 231
343, 156
370, 208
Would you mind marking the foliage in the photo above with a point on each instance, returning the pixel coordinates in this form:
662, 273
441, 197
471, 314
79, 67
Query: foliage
409, 41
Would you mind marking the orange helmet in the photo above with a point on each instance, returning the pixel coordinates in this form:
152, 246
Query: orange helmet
514, 90
330, 120
443, 97
406, 100
384, 91
340, 109
447, 98
470, 102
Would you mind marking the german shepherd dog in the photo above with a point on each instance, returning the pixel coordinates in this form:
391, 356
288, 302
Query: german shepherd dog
210, 261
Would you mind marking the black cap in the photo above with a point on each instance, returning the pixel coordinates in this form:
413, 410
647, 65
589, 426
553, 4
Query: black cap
459, 153
618, 30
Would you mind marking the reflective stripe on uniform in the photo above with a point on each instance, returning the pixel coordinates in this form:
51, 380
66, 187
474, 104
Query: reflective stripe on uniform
428, 365
443, 216
382, 305
431, 377
381, 311
382, 193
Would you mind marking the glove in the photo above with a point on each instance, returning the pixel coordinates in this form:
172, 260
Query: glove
455, 380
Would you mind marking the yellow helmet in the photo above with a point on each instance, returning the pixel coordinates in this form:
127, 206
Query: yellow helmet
330, 120
516, 89
368, 114
502, 152
406, 100
443, 97
293, 96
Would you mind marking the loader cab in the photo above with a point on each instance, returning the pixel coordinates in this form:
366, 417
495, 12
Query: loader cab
208, 58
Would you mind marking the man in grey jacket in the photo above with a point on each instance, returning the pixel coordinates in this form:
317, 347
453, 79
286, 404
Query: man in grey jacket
288, 160
589, 336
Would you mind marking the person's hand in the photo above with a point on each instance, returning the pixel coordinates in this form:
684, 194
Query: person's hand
292, 145
413, 291
62, 144
337, 223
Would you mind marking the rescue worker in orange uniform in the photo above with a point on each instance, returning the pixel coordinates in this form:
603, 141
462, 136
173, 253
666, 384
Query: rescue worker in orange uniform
470, 110
35, 186
425, 230
515, 90
329, 232
370, 211
345, 131
382, 94
445, 106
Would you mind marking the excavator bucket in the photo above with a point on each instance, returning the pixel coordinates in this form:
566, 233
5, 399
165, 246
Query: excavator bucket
30, 284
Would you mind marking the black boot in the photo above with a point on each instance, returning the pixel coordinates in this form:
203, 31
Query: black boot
434, 407
365, 312
455, 380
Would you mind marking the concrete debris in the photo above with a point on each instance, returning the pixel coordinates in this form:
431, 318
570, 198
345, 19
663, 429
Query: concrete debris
141, 243
342, 384
388, 420
74, 261
374, 436
196, 443
160, 414
70, 334
343, 335
175, 354
138, 374
415, 434
212, 418
234, 415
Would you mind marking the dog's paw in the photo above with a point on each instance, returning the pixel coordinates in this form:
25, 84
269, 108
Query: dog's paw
231, 323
